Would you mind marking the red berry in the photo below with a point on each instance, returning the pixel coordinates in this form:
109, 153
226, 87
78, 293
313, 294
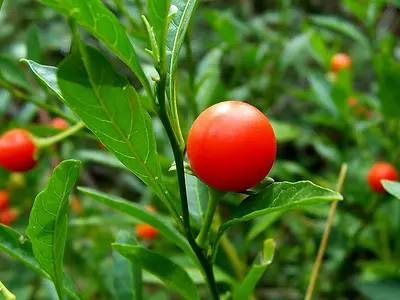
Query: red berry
231, 146
340, 61
8, 216
59, 123
17, 151
4, 200
352, 101
146, 232
379, 171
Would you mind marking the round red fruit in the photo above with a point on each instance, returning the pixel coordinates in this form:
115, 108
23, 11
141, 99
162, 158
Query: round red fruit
231, 146
340, 61
379, 171
146, 232
59, 123
8, 216
4, 200
17, 151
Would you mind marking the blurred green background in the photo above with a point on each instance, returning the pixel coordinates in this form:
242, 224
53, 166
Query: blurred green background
275, 55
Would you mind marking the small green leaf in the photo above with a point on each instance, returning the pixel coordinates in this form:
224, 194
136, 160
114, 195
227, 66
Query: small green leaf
388, 289
257, 270
392, 187
197, 193
10, 71
47, 227
170, 273
158, 15
284, 132
155, 51
141, 214
208, 78
18, 247
126, 275
175, 38
294, 49
281, 196
322, 92
223, 24
33, 48
343, 27
47, 74
110, 108
94, 16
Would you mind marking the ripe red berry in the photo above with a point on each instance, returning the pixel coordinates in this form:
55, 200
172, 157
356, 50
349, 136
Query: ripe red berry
340, 61
379, 171
8, 216
17, 151
4, 200
231, 146
146, 231
352, 101
59, 123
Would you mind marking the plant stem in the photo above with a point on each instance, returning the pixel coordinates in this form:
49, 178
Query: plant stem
46, 142
325, 237
7, 295
207, 267
20, 95
211, 208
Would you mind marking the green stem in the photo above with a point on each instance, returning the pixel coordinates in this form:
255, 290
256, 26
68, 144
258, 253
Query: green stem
207, 267
46, 142
7, 295
213, 198
20, 95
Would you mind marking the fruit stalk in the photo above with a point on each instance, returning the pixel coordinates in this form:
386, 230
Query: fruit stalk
325, 237
7, 295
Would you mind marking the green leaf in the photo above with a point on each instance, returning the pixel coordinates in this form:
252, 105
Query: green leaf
34, 51
388, 71
105, 26
388, 289
110, 108
158, 15
281, 196
46, 74
223, 24
343, 27
261, 224
174, 276
285, 132
322, 92
257, 270
11, 72
140, 213
197, 193
294, 49
126, 275
175, 38
99, 157
392, 187
208, 78
47, 227
18, 247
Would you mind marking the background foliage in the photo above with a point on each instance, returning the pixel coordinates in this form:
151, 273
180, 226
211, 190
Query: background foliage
273, 54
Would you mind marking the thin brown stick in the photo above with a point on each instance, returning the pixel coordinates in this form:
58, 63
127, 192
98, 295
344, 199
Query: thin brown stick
325, 237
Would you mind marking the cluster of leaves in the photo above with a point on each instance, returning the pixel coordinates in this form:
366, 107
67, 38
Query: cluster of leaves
278, 60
